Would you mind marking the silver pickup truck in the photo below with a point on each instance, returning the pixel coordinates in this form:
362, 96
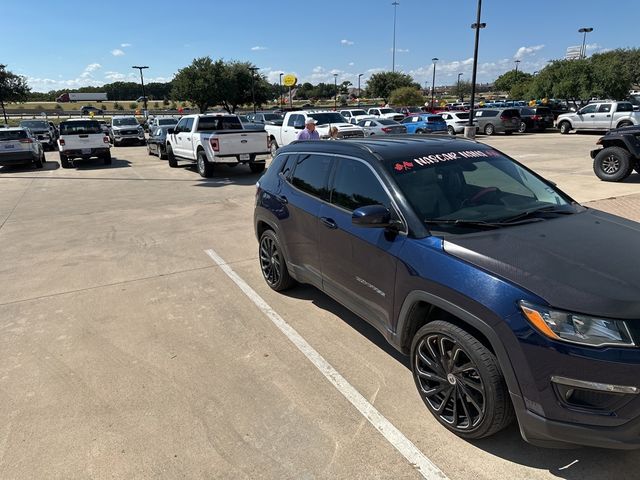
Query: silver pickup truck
602, 115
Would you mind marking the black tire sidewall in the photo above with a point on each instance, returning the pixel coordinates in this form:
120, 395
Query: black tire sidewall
626, 165
285, 280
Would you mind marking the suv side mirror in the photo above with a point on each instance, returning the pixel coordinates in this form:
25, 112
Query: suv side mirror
373, 216
171, 131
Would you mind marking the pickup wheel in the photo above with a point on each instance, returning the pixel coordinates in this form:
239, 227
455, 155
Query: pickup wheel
625, 123
257, 167
272, 262
612, 164
460, 381
173, 162
64, 162
205, 168
273, 147
39, 161
565, 127
451, 130
106, 158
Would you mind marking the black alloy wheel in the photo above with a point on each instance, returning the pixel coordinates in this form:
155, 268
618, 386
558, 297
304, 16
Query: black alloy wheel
272, 263
460, 381
613, 164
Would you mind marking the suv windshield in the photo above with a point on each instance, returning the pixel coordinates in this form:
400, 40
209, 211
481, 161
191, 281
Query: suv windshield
326, 118
80, 127
449, 189
35, 124
167, 121
387, 110
118, 122
358, 112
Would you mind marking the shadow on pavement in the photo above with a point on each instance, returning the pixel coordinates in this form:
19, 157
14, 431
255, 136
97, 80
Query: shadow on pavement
46, 167
224, 175
98, 164
321, 300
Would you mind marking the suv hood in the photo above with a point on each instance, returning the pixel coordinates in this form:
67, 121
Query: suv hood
585, 262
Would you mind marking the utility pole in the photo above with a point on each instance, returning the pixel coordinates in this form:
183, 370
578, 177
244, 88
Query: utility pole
335, 96
253, 94
359, 92
460, 96
144, 95
280, 91
433, 82
2, 80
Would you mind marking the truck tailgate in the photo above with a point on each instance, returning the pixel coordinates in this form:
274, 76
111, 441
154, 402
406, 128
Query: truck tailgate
238, 143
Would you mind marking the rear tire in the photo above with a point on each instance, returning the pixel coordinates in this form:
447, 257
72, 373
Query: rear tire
257, 167
173, 162
273, 147
612, 164
489, 129
460, 381
522, 128
205, 169
39, 162
272, 262
451, 130
107, 158
64, 162
564, 127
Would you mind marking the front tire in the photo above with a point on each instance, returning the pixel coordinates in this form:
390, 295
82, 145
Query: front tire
460, 381
173, 162
522, 128
39, 162
205, 169
273, 147
624, 123
272, 262
565, 127
612, 164
419, 131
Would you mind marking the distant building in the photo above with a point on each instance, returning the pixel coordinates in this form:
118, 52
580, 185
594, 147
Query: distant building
573, 53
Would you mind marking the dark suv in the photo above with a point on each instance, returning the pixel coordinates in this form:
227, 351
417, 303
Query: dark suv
481, 271
498, 120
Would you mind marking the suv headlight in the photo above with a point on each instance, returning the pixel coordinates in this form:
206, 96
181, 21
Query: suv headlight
577, 328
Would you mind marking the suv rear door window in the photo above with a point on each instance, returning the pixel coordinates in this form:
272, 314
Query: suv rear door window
6, 135
207, 124
311, 173
80, 127
510, 113
624, 107
356, 186
605, 108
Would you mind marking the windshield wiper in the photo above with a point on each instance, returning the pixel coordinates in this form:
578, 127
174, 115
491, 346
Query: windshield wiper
527, 214
463, 223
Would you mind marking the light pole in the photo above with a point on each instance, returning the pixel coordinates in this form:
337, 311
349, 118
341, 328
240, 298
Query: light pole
393, 61
280, 91
433, 81
359, 91
470, 129
144, 95
460, 96
584, 31
517, 62
253, 94
335, 96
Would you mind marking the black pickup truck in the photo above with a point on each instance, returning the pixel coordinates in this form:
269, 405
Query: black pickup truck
620, 154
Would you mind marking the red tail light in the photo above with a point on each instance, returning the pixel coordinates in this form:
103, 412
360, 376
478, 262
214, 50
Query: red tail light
386, 129
26, 140
536, 117
105, 139
61, 141
215, 145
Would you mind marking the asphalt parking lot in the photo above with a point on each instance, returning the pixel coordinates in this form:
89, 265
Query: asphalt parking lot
127, 352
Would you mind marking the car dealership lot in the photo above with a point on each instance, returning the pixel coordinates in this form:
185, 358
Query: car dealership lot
126, 352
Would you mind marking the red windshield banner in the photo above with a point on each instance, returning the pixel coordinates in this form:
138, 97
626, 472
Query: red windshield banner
437, 158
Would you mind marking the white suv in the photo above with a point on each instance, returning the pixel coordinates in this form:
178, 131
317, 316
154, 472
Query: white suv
82, 139
18, 146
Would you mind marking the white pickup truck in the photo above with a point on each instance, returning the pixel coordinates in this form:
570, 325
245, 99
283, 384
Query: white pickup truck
294, 122
601, 115
210, 139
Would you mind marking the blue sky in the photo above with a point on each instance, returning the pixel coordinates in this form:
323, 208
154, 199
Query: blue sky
73, 43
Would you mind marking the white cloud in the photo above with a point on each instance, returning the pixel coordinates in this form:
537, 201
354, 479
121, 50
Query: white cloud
258, 48
525, 51
125, 45
346, 42
351, 64
318, 69
114, 76
89, 69
117, 52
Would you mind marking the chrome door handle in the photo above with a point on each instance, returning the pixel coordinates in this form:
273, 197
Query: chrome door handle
329, 223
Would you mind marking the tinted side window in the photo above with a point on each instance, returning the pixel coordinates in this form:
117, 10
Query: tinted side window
624, 107
310, 174
356, 186
287, 167
589, 109
188, 125
180, 125
604, 108
292, 120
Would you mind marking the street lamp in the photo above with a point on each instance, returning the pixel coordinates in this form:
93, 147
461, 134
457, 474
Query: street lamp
517, 62
253, 94
359, 92
280, 91
144, 95
335, 96
470, 130
584, 31
460, 96
433, 81
393, 61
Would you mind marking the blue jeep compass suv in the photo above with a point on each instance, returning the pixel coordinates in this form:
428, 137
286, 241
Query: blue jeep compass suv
510, 298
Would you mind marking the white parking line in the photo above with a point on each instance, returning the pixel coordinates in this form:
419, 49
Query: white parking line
394, 436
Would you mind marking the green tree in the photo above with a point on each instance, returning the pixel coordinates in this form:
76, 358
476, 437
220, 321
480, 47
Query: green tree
406, 96
463, 89
237, 85
612, 74
13, 88
570, 80
201, 83
382, 84
507, 80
